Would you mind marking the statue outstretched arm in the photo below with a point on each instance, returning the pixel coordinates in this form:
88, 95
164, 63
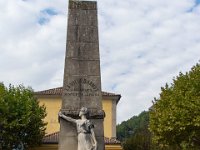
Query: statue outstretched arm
61, 115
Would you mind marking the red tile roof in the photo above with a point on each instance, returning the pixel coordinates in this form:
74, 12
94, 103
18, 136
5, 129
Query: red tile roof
58, 91
54, 138
54, 91
51, 138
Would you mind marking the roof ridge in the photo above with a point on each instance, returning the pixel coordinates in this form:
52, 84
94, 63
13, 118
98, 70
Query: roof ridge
58, 91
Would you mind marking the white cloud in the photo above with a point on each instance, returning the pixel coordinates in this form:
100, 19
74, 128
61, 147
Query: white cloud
31, 53
143, 45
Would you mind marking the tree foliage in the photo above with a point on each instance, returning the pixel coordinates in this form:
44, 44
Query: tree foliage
140, 140
175, 116
134, 133
21, 117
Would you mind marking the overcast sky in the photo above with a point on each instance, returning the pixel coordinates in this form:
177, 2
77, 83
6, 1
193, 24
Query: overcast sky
143, 45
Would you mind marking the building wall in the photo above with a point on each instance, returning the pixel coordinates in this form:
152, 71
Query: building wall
114, 118
55, 147
53, 105
108, 125
46, 147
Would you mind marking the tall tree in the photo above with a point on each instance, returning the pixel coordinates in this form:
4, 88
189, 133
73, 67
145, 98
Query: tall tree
21, 118
175, 116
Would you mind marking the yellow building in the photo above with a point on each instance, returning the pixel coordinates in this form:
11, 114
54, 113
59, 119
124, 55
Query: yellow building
52, 100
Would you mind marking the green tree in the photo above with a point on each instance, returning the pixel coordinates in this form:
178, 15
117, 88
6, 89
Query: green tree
134, 133
141, 140
175, 116
21, 123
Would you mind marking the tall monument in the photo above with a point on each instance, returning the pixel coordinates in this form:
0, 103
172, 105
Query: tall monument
82, 78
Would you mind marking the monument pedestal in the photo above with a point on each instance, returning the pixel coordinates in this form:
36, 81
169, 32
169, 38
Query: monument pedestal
82, 78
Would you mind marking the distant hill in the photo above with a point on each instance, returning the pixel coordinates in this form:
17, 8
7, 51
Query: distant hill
134, 132
132, 125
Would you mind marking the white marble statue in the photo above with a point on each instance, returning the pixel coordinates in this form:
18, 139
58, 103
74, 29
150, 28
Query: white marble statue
85, 130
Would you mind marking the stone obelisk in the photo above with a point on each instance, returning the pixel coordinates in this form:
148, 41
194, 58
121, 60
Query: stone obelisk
82, 78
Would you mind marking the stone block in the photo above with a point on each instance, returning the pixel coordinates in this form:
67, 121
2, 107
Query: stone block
84, 5
83, 17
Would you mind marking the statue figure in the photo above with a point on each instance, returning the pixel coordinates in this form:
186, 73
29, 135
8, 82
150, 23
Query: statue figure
85, 130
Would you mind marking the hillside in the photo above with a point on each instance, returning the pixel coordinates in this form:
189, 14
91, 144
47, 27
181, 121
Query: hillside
132, 125
134, 132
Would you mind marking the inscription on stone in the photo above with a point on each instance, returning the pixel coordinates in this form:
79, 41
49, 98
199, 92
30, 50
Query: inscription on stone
81, 87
